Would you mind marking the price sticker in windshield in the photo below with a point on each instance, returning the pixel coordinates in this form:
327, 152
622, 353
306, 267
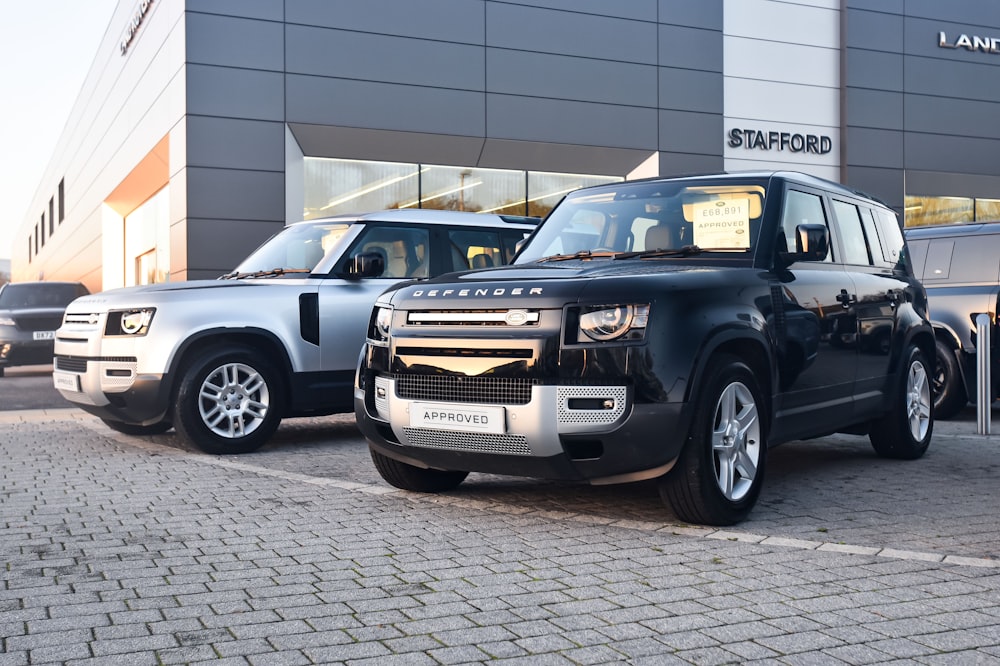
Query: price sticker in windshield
724, 223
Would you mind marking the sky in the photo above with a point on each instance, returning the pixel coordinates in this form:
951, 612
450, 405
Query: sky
46, 49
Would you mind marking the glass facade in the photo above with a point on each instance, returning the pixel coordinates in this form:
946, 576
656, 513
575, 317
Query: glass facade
147, 241
335, 186
929, 211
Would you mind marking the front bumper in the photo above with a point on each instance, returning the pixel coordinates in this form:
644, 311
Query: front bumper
574, 432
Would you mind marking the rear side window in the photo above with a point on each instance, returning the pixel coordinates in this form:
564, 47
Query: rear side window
802, 208
475, 248
968, 259
892, 239
851, 233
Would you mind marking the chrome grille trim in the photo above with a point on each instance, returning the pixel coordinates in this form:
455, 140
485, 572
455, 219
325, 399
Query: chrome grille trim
467, 441
473, 317
475, 390
90, 319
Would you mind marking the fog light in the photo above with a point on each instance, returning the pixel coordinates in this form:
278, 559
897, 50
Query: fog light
380, 392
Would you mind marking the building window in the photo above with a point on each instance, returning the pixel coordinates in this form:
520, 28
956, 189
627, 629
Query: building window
29, 248
42, 230
62, 200
36, 239
930, 211
52, 216
147, 241
335, 186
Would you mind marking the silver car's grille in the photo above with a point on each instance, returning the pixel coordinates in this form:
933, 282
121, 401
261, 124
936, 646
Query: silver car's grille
467, 441
71, 363
449, 388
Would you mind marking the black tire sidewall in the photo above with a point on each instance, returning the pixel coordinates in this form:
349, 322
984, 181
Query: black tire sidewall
187, 418
890, 436
951, 399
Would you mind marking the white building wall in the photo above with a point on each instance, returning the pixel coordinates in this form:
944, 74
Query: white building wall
782, 74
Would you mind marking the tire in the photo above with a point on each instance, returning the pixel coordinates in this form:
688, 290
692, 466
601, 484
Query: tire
228, 401
946, 384
134, 429
719, 474
905, 431
408, 477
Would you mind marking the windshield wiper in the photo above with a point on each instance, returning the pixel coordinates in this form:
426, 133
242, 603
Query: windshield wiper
582, 254
257, 274
685, 251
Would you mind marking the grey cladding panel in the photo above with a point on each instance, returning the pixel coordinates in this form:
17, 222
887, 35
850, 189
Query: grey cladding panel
874, 148
874, 69
874, 31
874, 109
321, 101
234, 42
641, 10
267, 10
950, 78
570, 77
218, 246
231, 194
445, 20
235, 93
885, 184
368, 57
583, 123
978, 14
676, 164
692, 13
941, 115
235, 144
690, 90
690, 48
935, 152
684, 132
884, 6
570, 33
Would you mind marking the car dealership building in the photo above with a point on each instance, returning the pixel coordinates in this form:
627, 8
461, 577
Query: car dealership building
204, 126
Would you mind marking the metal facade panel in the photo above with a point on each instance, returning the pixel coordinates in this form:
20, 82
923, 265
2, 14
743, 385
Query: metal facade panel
875, 109
457, 21
685, 132
692, 13
234, 194
641, 10
798, 63
690, 48
874, 69
383, 58
235, 93
234, 42
774, 20
235, 144
874, 148
690, 90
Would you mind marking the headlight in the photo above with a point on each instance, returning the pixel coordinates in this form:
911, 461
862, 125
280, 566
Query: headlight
129, 322
603, 323
7, 321
381, 323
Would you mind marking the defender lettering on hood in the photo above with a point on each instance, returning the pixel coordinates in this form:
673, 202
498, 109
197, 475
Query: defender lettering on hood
478, 292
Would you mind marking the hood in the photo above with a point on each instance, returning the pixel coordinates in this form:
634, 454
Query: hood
152, 294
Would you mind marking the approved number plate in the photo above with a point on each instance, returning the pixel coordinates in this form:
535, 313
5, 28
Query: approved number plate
463, 418
66, 381
44, 335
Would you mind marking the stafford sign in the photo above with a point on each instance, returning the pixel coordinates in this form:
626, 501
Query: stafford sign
755, 139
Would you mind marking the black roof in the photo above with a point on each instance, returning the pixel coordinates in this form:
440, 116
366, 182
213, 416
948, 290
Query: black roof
945, 230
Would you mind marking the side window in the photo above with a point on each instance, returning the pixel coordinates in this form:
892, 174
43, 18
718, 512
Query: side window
939, 254
404, 250
510, 239
871, 233
851, 234
474, 248
802, 208
892, 239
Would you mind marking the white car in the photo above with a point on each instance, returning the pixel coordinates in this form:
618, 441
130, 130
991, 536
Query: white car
223, 361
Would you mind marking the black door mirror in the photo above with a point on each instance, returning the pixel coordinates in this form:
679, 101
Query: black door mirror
365, 265
812, 243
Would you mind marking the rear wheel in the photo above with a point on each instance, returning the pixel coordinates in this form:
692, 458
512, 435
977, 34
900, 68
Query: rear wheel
946, 385
134, 429
409, 477
228, 401
719, 474
905, 431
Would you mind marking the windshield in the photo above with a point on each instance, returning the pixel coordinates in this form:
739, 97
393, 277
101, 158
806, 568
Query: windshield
669, 218
296, 249
38, 295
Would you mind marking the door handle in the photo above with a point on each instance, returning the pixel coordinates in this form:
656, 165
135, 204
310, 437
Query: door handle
847, 299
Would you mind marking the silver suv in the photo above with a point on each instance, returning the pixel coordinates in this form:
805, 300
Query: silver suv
223, 361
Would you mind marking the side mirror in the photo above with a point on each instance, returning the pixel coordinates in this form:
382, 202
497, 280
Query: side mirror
365, 265
812, 243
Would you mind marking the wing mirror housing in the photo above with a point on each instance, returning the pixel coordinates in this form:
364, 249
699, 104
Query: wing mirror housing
812, 243
365, 265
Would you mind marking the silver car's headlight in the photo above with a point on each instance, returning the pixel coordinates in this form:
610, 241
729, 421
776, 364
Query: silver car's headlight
611, 322
129, 322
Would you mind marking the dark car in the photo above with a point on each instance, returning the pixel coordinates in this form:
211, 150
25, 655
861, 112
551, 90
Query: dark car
670, 329
959, 265
30, 313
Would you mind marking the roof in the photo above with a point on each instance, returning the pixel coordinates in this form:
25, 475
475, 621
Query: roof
429, 216
962, 229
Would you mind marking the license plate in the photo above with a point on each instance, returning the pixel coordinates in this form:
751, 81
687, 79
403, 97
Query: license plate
44, 335
66, 381
463, 418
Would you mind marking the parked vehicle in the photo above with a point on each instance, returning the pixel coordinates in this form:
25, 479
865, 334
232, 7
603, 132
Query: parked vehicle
959, 265
667, 328
30, 313
223, 361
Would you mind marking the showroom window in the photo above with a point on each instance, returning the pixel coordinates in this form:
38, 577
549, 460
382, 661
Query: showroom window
147, 241
335, 186
930, 211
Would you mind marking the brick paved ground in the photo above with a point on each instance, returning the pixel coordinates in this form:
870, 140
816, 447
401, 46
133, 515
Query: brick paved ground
133, 550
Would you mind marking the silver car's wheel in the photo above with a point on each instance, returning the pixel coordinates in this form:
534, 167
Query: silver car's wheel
228, 401
736, 441
233, 400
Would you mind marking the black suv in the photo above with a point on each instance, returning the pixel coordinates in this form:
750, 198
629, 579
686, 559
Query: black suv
959, 265
667, 328
30, 313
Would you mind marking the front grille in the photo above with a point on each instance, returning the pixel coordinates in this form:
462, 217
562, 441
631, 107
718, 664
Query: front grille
451, 388
467, 441
38, 322
71, 363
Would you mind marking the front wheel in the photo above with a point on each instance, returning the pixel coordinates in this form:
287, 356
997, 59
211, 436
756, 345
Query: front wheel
947, 387
409, 477
228, 401
719, 474
905, 430
135, 429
